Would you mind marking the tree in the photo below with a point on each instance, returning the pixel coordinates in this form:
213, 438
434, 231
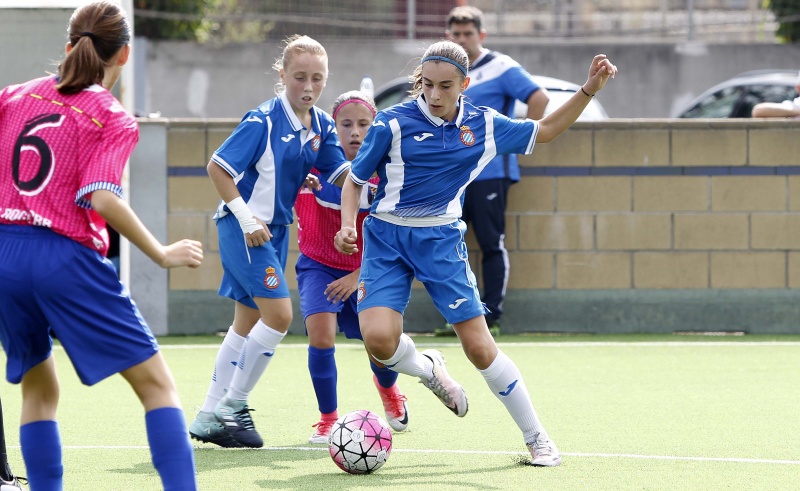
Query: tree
787, 13
180, 20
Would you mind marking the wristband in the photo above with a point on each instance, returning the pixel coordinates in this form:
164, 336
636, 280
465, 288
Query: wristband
243, 214
584, 91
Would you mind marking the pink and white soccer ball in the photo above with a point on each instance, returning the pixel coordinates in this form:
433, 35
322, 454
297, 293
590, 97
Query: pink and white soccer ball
360, 442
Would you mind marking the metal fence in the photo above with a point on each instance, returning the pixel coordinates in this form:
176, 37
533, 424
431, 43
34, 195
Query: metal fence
556, 20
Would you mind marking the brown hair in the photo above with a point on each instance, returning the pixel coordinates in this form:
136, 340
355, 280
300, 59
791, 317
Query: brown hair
296, 44
97, 31
446, 49
465, 15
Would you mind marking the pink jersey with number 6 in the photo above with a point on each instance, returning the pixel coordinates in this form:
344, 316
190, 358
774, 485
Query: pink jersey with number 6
55, 150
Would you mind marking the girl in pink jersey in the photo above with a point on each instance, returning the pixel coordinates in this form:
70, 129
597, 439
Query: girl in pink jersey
64, 142
326, 279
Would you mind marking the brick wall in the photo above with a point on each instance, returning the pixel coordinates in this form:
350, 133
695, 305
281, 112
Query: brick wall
620, 205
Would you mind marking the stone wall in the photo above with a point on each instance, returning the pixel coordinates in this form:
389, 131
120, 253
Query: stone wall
617, 226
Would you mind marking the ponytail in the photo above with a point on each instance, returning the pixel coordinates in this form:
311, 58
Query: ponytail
97, 31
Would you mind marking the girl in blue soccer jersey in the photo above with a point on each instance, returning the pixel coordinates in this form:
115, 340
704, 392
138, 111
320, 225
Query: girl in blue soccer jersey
257, 172
327, 280
426, 152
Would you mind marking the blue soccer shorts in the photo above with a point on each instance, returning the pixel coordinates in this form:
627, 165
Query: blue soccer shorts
50, 284
437, 256
313, 278
252, 272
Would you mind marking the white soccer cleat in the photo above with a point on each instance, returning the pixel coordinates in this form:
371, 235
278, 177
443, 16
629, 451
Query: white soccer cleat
442, 384
544, 453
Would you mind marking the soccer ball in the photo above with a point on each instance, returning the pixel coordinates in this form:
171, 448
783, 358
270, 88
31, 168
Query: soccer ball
360, 442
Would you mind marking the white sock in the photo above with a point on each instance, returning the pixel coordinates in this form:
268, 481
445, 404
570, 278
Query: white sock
505, 381
227, 357
260, 345
408, 360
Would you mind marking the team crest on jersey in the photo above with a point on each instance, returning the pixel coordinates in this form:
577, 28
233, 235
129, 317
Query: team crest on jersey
362, 292
467, 136
271, 280
316, 142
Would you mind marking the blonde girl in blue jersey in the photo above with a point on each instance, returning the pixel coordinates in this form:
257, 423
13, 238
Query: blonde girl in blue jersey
426, 152
257, 172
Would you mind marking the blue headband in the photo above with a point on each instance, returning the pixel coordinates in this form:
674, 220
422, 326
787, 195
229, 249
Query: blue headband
448, 60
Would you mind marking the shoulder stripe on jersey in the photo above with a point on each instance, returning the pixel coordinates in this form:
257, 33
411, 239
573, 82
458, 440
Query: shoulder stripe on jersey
338, 172
96, 186
59, 103
221, 162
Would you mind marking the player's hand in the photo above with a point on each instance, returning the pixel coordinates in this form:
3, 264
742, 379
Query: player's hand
599, 73
345, 240
341, 289
182, 253
312, 182
259, 237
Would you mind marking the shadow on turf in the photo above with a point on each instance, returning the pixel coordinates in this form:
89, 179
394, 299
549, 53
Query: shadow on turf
209, 460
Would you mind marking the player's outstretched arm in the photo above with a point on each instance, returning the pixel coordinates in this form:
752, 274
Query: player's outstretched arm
775, 110
562, 118
119, 215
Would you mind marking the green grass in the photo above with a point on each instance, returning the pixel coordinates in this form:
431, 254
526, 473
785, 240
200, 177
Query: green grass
628, 412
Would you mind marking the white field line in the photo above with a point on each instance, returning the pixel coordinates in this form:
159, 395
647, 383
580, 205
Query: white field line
554, 344
471, 452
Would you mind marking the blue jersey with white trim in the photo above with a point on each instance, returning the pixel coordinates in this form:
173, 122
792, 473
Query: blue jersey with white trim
425, 163
270, 153
497, 81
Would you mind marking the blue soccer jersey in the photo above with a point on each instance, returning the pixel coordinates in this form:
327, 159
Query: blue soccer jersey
425, 163
270, 153
497, 81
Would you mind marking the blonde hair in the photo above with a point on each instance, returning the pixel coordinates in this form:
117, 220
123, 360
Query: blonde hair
295, 45
453, 53
97, 31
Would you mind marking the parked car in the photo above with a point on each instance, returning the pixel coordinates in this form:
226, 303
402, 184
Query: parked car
735, 97
396, 91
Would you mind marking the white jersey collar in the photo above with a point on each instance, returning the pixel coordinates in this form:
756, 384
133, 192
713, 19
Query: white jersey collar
292, 117
435, 120
484, 52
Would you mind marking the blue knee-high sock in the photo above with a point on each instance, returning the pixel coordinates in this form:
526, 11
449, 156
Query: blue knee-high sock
322, 367
386, 377
170, 449
41, 450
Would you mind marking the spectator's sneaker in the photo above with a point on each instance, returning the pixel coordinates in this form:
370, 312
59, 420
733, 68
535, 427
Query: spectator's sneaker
235, 415
12, 484
544, 453
445, 331
207, 428
442, 384
394, 405
323, 429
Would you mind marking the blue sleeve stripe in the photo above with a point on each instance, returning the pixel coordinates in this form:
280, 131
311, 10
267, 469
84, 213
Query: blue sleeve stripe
96, 186
221, 162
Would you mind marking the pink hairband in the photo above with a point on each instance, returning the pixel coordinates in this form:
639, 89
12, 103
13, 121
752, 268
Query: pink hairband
354, 101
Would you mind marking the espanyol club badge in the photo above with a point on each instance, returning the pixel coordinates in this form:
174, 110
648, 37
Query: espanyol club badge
467, 136
362, 292
316, 142
271, 280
